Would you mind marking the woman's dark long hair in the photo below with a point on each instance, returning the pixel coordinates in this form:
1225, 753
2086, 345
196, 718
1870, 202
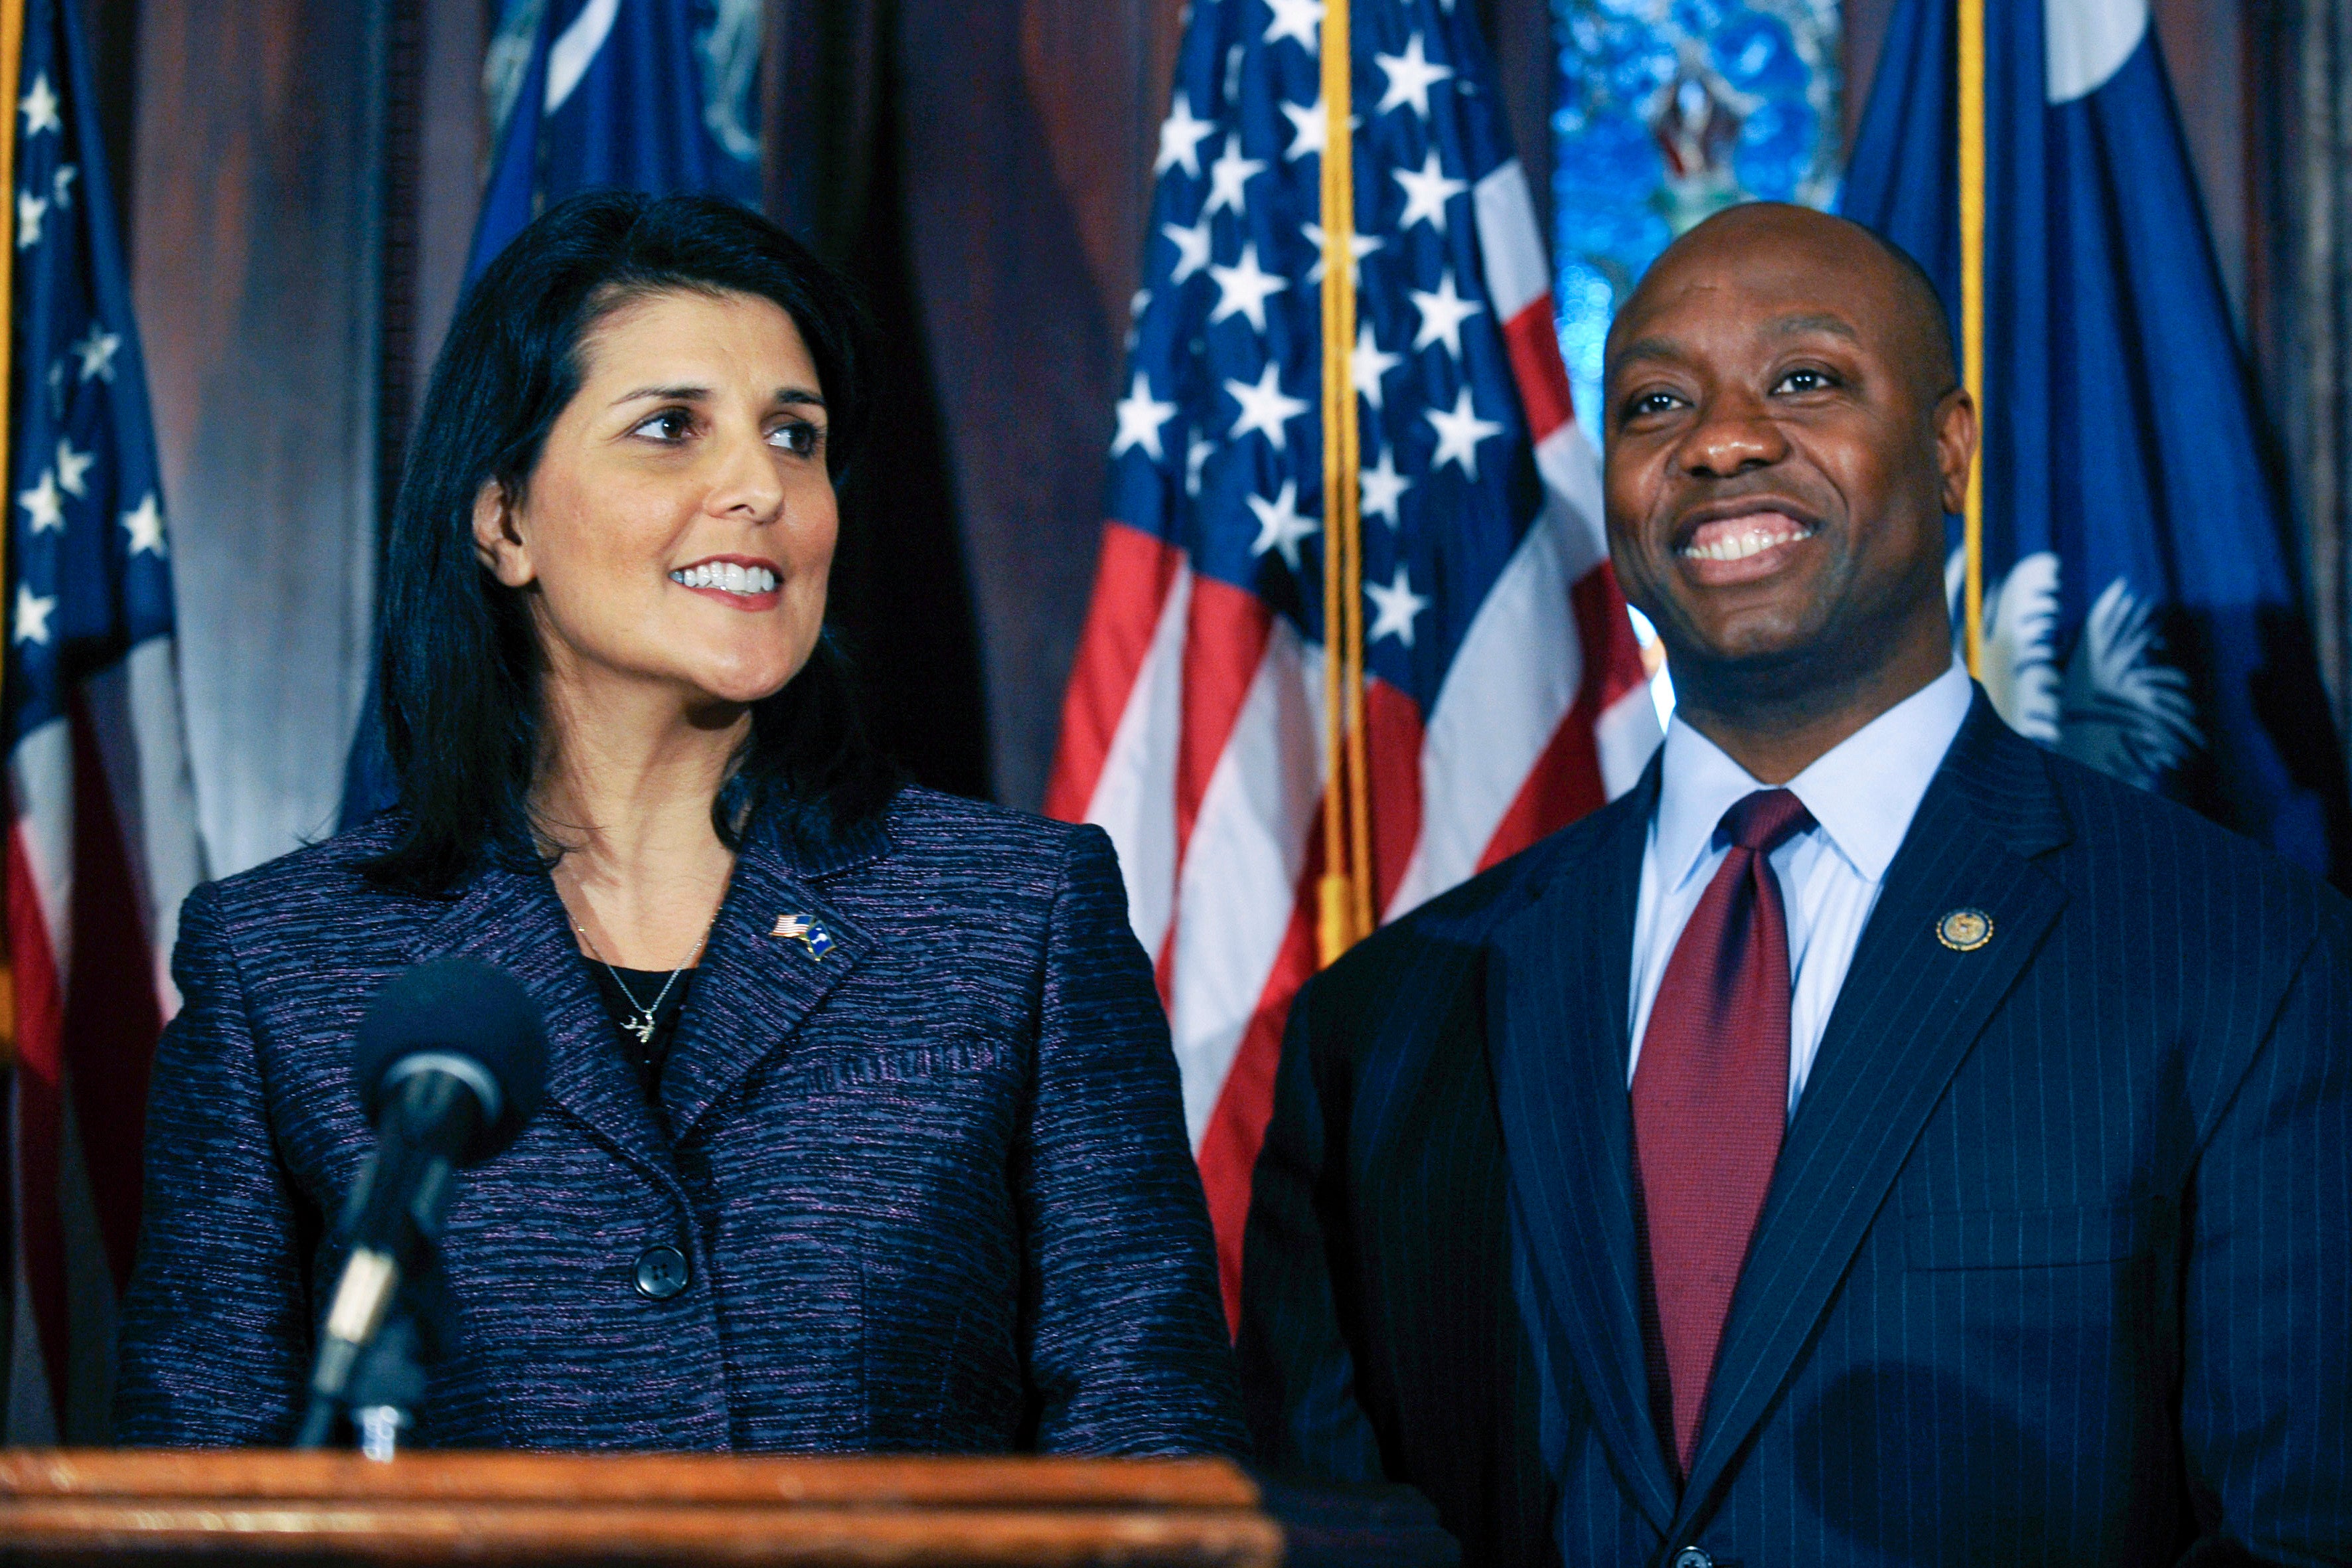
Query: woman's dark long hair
458, 659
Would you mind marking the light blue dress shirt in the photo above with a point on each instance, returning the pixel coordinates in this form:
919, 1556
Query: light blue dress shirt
1863, 794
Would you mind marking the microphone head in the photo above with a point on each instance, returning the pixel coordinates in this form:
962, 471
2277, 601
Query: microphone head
459, 1007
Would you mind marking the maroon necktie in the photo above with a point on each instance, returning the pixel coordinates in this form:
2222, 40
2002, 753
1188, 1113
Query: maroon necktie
1711, 1097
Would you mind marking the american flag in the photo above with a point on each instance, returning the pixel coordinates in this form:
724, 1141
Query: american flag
101, 833
1506, 693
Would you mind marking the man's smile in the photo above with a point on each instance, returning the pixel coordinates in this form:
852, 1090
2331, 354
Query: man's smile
1742, 547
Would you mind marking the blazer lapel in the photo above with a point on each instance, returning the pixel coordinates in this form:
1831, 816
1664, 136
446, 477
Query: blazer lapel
1910, 1009
1558, 997
514, 920
758, 982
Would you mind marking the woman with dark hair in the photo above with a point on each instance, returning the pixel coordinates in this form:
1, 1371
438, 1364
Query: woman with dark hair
862, 1128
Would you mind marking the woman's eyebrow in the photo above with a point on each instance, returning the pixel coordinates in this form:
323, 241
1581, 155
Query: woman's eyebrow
673, 394
697, 394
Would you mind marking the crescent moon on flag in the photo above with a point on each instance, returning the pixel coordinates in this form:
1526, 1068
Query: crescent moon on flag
568, 57
2085, 42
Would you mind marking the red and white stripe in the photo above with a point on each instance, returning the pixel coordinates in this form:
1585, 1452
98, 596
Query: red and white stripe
1193, 733
103, 847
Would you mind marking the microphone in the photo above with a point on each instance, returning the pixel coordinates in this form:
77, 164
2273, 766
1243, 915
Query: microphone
450, 1063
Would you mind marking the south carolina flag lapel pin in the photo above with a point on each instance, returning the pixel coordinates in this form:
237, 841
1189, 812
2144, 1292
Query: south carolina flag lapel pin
806, 932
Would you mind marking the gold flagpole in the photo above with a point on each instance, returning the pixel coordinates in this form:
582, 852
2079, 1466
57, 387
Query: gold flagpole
1971, 28
1346, 896
12, 54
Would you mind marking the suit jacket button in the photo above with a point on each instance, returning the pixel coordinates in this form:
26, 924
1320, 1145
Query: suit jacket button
661, 1272
1693, 1557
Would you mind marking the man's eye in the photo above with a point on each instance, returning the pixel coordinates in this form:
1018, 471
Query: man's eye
670, 424
800, 437
1804, 381
1651, 403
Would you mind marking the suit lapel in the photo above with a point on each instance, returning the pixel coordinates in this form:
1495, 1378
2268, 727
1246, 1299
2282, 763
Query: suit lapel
1557, 1005
514, 920
1910, 1009
754, 986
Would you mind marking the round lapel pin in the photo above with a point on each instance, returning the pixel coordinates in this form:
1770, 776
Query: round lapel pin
1964, 930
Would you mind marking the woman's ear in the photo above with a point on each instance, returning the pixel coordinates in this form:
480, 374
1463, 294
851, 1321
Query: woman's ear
498, 544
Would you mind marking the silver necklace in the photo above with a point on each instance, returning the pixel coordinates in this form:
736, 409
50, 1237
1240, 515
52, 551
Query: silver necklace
642, 1026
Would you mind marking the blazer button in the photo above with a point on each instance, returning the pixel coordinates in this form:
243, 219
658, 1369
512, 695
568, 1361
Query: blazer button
1693, 1557
661, 1272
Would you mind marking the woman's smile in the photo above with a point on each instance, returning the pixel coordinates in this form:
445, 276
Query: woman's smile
738, 582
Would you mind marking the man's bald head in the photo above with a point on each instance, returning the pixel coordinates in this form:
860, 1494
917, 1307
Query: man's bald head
1916, 311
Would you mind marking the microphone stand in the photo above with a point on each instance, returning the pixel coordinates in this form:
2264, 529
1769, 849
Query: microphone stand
386, 1389
387, 1386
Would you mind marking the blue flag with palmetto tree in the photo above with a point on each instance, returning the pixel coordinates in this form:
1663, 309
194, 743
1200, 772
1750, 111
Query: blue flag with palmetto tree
646, 95
2141, 612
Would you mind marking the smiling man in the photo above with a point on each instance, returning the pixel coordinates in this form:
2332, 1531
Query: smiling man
1871, 1139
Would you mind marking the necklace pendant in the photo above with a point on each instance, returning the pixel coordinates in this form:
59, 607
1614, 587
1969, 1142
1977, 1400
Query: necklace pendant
642, 1027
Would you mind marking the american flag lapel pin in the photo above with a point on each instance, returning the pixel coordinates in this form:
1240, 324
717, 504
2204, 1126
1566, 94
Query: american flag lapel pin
806, 932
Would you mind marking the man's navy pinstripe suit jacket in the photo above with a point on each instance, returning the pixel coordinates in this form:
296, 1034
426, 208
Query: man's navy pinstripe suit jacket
932, 1185
2056, 1266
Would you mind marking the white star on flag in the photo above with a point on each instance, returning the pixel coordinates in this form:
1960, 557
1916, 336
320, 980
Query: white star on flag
32, 616
1279, 526
1442, 315
1196, 457
145, 526
1358, 246
1140, 416
1411, 75
1295, 19
1228, 176
1459, 433
1265, 407
45, 509
30, 210
1368, 364
1383, 487
72, 466
1242, 289
1397, 607
1426, 194
97, 353
61, 184
1180, 138
1192, 247
40, 108
1308, 125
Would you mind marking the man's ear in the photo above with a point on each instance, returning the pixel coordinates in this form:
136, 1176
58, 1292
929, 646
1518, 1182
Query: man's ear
498, 542
1955, 446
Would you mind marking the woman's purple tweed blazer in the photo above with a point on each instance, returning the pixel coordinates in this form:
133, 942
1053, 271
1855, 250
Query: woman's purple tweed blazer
933, 1186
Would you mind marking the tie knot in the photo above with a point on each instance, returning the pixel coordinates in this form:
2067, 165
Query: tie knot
1763, 820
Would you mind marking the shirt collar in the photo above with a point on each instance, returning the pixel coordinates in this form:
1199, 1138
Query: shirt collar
1863, 792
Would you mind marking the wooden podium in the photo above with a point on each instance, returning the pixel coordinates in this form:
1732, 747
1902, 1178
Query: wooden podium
66, 1506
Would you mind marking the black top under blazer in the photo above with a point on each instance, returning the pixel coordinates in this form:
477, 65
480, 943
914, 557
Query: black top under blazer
2056, 1263
933, 1188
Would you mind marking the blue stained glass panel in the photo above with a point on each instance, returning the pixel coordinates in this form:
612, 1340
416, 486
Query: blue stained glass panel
1666, 111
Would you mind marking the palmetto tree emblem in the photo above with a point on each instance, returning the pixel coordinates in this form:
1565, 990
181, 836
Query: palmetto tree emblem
2112, 704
